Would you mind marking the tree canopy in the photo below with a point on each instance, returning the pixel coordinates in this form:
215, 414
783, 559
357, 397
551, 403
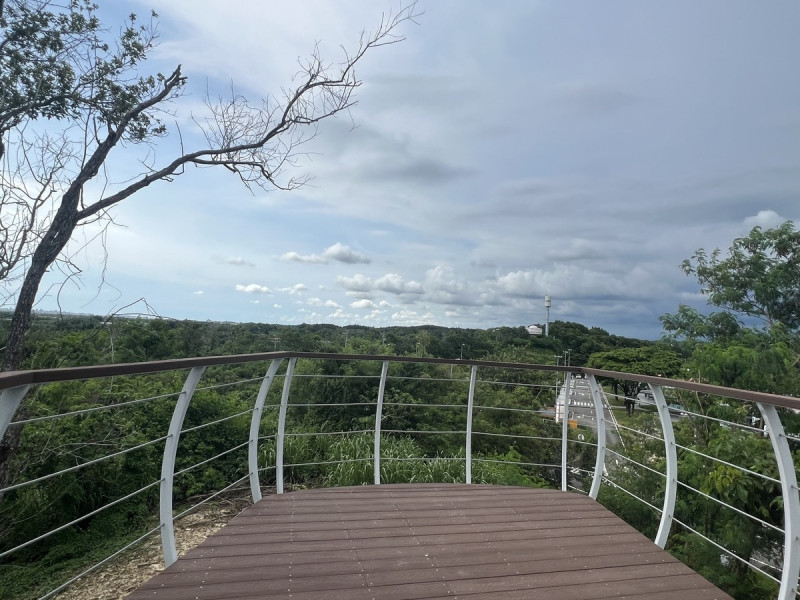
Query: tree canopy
758, 277
647, 360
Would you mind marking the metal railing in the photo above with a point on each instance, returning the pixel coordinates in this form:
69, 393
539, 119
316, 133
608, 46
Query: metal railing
512, 424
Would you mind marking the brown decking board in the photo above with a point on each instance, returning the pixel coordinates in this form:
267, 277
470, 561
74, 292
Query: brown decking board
409, 541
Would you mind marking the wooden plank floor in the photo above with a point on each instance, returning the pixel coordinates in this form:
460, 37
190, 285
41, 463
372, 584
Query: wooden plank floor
427, 541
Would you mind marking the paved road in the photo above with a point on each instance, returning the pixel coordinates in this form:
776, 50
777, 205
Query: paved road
581, 408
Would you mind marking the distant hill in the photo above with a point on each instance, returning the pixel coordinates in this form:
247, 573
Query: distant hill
58, 340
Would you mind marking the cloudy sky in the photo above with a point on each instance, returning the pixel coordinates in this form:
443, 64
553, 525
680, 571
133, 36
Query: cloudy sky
503, 152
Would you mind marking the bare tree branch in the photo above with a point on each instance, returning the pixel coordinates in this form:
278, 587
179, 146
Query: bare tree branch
95, 91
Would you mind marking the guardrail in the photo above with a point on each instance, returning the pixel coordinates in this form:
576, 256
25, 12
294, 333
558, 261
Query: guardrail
668, 468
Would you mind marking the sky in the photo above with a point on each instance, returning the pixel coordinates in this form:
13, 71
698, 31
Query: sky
502, 153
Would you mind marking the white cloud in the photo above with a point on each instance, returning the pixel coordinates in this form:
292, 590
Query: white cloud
345, 254
443, 278
520, 283
356, 283
319, 302
198, 293
395, 284
308, 258
338, 252
766, 219
253, 288
364, 303
339, 315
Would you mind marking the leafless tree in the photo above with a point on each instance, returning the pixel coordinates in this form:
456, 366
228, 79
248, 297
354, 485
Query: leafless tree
71, 99
46, 171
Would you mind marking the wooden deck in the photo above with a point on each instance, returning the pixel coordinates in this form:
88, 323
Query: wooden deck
428, 541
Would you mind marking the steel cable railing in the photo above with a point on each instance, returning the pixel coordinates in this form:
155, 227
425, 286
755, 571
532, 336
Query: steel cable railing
316, 425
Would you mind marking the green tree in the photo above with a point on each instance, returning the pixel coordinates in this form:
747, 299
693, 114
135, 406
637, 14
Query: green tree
758, 277
689, 327
647, 360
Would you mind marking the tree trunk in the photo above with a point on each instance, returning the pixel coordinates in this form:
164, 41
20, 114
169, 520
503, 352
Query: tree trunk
46, 253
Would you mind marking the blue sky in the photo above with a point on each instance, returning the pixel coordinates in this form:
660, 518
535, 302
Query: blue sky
503, 152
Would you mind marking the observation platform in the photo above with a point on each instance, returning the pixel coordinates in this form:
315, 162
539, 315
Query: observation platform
388, 541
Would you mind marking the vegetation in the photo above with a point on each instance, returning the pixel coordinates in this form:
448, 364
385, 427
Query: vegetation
73, 96
422, 427
331, 396
648, 360
752, 342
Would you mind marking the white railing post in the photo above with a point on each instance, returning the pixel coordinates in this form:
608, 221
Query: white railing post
565, 431
671, 455
600, 461
791, 502
470, 404
255, 426
10, 400
168, 464
378, 416
279, 440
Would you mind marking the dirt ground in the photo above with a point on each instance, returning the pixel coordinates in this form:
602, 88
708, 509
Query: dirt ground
117, 579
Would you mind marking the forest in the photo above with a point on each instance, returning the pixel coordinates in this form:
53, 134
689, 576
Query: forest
422, 427
421, 397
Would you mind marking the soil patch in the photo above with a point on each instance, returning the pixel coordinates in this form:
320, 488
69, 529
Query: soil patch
118, 578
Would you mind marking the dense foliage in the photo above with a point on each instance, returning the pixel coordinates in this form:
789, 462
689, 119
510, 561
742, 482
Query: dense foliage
422, 401
422, 428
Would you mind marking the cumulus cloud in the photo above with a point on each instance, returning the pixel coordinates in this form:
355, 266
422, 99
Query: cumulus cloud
308, 258
345, 254
363, 303
520, 283
395, 284
443, 286
338, 252
766, 219
339, 315
198, 293
356, 283
253, 288
319, 302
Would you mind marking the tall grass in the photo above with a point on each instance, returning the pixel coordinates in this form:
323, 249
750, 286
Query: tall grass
348, 460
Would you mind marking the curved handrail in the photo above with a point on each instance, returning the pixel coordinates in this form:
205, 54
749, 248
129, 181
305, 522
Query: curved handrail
15, 385
11, 379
